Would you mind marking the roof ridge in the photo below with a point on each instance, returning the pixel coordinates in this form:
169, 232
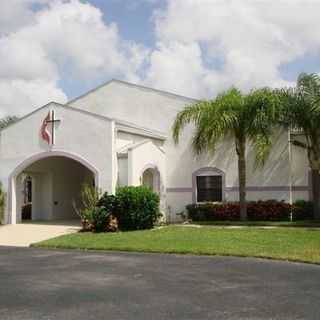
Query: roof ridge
132, 85
154, 89
62, 105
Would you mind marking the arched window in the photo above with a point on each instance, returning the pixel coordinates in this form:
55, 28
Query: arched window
151, 178
208, 185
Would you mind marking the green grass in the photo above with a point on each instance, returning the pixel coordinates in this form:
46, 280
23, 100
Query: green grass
295, 244
298, 223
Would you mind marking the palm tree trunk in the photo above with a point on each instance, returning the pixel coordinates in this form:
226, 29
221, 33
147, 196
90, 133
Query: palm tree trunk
315, 182
241, 151
314, 161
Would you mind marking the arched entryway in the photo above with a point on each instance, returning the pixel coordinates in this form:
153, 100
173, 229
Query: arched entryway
54, 180
151, 178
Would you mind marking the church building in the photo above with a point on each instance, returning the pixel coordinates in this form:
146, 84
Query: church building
121, 134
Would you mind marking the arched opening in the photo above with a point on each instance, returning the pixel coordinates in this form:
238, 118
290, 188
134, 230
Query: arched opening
45, 186
151, 179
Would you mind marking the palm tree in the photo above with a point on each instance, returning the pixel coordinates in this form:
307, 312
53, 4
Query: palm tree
301, 110
6, 121
246, 118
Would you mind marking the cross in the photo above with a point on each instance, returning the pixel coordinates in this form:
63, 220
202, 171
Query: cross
53, 121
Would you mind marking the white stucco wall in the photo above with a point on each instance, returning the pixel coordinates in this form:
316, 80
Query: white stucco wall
268, 182
145, 156
88, 137
157, 111
148, 155
97, 139
149, 152
42, 203
125, 139
122, 172
142, 106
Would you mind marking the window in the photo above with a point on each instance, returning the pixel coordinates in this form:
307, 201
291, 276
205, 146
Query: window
209, 188
208, 185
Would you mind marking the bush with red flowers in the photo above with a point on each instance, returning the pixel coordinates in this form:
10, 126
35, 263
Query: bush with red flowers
270, 210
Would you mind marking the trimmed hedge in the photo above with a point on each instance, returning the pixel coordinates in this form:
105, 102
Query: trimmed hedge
270, 210
136, 208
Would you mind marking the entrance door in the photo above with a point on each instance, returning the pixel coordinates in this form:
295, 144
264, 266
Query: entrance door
26, 209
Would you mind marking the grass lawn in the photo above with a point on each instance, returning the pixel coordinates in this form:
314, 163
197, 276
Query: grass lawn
295, 244
298, 223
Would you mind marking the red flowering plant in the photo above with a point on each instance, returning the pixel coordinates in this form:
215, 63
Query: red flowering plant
270, 210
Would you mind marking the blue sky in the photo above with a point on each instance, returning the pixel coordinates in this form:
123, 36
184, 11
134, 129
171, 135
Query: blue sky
58, 49
134, 21
308, 63
133, 18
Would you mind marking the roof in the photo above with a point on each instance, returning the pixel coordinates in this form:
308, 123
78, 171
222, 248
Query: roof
120, 125
131, 146
129, 84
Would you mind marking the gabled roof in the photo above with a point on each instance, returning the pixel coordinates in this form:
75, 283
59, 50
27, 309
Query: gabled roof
128, 84
120, 125
131, 146
134, 129
53, 103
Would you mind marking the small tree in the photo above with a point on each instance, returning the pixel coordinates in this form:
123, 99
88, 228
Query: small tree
243, 117
89, 197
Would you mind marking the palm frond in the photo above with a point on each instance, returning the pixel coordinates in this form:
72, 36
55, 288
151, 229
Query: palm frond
188, 115
262, 148
212, 125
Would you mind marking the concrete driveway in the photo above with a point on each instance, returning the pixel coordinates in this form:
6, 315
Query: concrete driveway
55, 284
24, 234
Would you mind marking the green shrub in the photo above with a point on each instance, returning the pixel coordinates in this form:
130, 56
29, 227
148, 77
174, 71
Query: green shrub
2, 203
302, 210
202, 212
107, 201
100, 218
136, 208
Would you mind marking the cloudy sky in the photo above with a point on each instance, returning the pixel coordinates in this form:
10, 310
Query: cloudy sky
58, 49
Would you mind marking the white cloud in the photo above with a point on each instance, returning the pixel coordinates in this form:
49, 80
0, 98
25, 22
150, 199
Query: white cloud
253, 38
202, 47
62, 39
17, 13
178, 67
19, 97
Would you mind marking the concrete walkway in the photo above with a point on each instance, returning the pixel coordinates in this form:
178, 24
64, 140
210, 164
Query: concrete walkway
24, 234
